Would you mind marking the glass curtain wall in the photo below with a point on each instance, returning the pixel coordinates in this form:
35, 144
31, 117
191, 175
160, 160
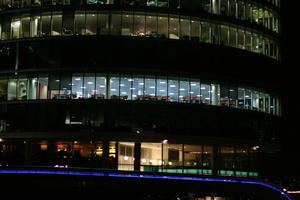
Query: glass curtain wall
126, 156
135, 87
139, 25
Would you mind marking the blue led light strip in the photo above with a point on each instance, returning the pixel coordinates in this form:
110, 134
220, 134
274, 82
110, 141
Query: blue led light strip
82, 173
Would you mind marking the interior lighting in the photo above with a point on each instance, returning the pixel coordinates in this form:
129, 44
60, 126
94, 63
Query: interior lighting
16, 24
293, 192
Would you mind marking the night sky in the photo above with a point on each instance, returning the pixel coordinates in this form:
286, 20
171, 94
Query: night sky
288, 77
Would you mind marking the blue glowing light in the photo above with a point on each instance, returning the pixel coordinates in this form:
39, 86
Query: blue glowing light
147, 176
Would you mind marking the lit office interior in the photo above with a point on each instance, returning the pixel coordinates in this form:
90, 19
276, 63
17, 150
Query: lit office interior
138, 24
245, 10
77, 86
154, 157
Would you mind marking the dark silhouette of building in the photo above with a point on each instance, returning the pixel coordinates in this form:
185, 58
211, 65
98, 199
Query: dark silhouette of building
158, 86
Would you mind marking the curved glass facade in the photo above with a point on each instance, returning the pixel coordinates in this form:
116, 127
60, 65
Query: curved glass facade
72, 86
137, 24
153, 156
254, 11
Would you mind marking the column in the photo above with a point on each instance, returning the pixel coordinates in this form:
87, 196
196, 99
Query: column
137, 156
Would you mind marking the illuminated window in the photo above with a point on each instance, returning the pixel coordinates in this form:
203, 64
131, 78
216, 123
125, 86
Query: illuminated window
126, 156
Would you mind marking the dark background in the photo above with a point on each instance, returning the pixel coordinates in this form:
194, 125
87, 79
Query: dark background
288, 75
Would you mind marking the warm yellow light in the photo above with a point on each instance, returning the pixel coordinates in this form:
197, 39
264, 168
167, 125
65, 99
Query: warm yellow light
44, 146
